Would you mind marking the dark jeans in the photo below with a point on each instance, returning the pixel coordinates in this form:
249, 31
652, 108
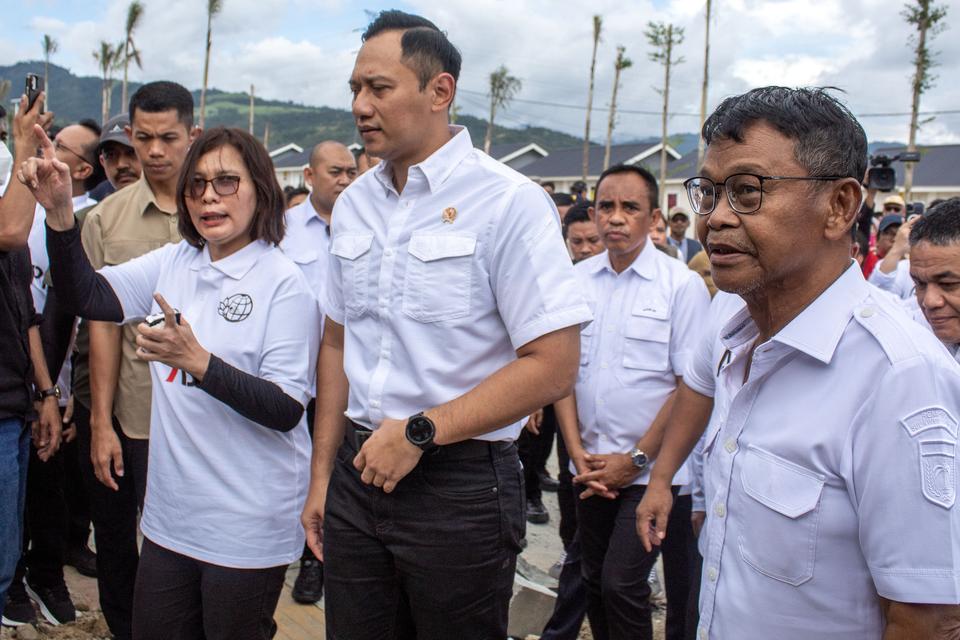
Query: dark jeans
567, 495
180, 598
114, 515
679, 550
616, 567
571, 605
14, 452
433, 559
534, 449
45, 522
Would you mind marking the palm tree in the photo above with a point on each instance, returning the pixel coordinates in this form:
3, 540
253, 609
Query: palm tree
130, 52
503, 88
213, 8
621, 63
597, 27
663, 38
109, 58
50, 47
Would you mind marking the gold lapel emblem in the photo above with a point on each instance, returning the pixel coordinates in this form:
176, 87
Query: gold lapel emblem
449, 215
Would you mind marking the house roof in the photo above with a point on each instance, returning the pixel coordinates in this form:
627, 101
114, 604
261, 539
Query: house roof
939, 165
569, 161
287, 148
292, 160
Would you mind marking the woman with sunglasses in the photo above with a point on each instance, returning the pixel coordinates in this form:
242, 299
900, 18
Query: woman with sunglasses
232, 331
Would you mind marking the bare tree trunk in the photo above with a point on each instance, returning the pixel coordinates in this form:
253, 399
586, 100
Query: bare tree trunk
663, 122
488, 138
703, 92
126, 63
914, 113
46, 82
206, 71
251, 110
104, 107
613, 109
593, 66
266, 136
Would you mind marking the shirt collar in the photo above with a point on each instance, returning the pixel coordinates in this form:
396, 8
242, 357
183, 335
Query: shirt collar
144, 196
816, 331
644, 265
436, 168
308, 213
236, 265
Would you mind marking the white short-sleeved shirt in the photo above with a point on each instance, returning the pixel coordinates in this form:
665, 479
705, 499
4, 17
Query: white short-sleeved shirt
221, 488
438, 286
306, 241
830, 475
647, 319
898, 282
37, 241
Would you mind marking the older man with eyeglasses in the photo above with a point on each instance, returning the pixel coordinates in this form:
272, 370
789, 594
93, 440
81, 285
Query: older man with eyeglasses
829, 493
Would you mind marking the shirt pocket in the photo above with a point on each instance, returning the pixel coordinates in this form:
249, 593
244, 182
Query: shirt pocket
646, 342
353, 251
781, 516
439, 277
119, 251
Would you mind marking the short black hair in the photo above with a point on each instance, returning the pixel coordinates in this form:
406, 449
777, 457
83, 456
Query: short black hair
579, 212
91, 153
289, 193
652, 190
548, 183
935, 202
827, 139
425, 49
3, 112
156, 97
940, 225
562, 199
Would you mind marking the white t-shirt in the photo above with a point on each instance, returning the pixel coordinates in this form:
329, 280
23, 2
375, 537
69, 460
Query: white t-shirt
647, 319
437, 287
221, 488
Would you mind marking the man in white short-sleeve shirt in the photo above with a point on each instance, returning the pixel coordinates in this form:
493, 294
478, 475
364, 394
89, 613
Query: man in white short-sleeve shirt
307, 242
829, 462
452, 314
648, 309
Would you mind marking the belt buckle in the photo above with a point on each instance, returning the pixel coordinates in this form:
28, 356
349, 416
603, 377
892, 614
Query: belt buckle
362, 436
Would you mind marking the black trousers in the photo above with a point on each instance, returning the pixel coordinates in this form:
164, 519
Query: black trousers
45, 522
180, 598
567, 495
432, 560
616, 567
114, 515
571, 605
679, 555
534, 449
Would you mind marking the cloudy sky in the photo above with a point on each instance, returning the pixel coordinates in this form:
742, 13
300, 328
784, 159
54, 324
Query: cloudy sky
303, 50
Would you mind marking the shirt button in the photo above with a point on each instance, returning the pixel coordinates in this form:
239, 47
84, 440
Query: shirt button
720, 510
375, 404
703, 633
712, 574
611, 327
603, 365
388, 252
730, 445
866, 312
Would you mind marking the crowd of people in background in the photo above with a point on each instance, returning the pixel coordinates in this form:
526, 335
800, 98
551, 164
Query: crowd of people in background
367, 375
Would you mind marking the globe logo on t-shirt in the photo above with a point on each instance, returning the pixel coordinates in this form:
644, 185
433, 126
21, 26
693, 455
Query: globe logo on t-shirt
236, 308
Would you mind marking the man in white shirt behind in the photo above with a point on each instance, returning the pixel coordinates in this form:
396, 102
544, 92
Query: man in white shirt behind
307, 242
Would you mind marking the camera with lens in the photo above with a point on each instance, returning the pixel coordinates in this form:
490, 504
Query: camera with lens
881, 176
914, 209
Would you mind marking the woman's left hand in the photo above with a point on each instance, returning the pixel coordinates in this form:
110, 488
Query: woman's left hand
173, 344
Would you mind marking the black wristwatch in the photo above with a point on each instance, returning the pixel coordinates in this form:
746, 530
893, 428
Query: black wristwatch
639, 459
420, 432
43, 394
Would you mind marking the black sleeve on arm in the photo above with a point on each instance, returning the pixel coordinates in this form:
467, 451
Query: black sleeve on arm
254, 398
864, 220
56, 329
81, 290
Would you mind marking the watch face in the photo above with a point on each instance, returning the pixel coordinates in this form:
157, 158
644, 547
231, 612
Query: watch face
420, 430
640, 459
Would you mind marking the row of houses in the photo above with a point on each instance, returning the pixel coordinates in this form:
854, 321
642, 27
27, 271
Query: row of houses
937, 175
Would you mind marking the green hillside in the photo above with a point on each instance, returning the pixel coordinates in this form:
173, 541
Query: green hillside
74, 97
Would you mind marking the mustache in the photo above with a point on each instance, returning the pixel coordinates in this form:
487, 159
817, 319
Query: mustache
126, 173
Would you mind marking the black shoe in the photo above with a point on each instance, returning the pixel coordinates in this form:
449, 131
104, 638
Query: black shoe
83, 560
308, 587
54, 602
548, 483
536, 512
18, 610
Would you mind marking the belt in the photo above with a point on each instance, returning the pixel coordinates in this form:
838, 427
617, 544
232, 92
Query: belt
357, 434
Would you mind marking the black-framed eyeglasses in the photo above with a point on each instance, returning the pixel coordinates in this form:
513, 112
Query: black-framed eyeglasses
744, 191
58, 146
222, 185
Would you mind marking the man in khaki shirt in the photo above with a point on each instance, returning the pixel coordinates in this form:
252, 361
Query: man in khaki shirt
128, 224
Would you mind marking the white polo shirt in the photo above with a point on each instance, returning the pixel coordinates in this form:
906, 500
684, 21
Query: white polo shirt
438, 286
898, 282
306, 241
221, 488
830, 475
647, 319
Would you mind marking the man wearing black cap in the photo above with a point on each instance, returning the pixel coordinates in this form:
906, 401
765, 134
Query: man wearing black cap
116, 153
686, 247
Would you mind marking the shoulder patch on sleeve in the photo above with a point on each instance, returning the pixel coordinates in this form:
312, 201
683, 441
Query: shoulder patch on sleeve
937, 453
930, 418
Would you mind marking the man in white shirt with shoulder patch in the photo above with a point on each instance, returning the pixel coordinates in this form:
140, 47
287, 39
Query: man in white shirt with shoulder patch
452, 314
830, 493
647, 308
